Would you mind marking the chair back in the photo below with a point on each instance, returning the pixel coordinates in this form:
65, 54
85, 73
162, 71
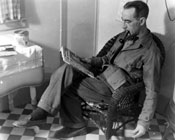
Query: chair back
161, 47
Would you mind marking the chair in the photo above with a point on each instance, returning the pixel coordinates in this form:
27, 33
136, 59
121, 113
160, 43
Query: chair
121, 108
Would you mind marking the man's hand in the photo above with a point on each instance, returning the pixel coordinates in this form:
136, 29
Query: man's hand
138, 131
86, 60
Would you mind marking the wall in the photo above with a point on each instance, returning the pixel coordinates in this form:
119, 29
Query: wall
81, 25
107, 23
159, 23
43, 18
78, 27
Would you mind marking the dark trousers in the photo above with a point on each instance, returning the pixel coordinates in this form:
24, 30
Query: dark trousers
67, 87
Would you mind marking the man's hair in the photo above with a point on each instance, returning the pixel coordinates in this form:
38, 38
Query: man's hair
141, 8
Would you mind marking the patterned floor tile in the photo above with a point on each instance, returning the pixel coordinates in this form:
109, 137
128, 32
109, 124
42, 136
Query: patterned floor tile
14, 137
17, 131
27, 138
8, 132
43, 134
4, 115
3, 136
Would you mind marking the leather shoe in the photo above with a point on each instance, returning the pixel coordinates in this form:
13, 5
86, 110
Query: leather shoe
27, 122
67, 132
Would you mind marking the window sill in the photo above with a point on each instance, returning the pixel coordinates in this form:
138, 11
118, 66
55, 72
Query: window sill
14, 24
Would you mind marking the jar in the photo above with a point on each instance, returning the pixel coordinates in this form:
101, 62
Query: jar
21, 37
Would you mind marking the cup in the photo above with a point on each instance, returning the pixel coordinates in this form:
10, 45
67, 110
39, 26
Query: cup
21, 37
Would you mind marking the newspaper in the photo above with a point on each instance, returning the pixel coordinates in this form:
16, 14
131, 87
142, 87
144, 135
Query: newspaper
72, 59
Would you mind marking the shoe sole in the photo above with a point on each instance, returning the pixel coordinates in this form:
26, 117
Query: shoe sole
80, 132
29, 123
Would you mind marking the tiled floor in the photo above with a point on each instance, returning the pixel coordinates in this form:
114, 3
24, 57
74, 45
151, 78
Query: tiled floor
8, 132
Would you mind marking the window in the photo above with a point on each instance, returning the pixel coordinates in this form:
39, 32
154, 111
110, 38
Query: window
11, 16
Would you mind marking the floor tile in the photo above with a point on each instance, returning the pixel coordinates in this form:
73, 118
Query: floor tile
2, 122
9, 132
5, 130
13, 117
4, 136
4, 115
14, 137
29, 132
43, 134
27, 138
17, 131
8, 123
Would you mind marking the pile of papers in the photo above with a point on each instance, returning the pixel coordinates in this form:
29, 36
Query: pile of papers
7, 50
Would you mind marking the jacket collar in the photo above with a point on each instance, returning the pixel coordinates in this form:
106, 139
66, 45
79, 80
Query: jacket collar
142, 41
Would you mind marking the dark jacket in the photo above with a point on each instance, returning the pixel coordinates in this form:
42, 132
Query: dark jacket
140, 59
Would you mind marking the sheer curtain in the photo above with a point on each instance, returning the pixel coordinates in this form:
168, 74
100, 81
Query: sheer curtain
9, 10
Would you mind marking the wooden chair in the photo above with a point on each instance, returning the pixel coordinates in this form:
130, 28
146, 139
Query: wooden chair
124, 106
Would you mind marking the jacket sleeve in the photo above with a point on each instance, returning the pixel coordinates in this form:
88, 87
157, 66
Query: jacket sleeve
151, 78
103, 56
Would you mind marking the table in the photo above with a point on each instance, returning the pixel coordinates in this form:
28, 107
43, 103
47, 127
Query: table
25, 69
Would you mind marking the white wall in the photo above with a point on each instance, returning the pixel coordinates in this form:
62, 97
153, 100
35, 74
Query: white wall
43, 18
107, 23
158, 22
81, 24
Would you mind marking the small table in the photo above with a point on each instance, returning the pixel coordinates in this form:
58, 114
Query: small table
25, 69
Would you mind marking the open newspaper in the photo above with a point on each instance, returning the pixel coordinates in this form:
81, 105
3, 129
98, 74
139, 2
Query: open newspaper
71, 58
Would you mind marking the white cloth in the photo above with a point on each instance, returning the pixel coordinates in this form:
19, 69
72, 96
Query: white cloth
26, 58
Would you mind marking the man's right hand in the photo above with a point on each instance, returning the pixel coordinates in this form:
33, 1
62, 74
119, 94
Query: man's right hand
138, 131
86, 60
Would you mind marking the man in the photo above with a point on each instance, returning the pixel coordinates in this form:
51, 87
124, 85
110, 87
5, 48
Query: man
140, 58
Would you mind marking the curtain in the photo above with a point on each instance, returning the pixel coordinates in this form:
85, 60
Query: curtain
9, 10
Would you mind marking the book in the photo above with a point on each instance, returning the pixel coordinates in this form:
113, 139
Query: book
71, 58
7, 50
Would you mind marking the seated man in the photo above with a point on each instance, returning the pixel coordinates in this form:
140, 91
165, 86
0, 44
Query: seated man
134, 55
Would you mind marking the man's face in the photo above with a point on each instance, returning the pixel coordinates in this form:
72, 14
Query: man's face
130, 22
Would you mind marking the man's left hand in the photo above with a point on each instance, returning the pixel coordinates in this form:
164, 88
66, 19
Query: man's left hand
86, 60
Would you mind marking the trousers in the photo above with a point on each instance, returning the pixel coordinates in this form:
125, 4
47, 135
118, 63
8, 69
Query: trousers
66, 88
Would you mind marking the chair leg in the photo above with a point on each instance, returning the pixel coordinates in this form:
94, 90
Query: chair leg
110, 113
10, 100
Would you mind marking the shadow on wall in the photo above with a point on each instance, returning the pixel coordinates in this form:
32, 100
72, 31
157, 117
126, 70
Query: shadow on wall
81, 40
50, 65
32, 16
168, 71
